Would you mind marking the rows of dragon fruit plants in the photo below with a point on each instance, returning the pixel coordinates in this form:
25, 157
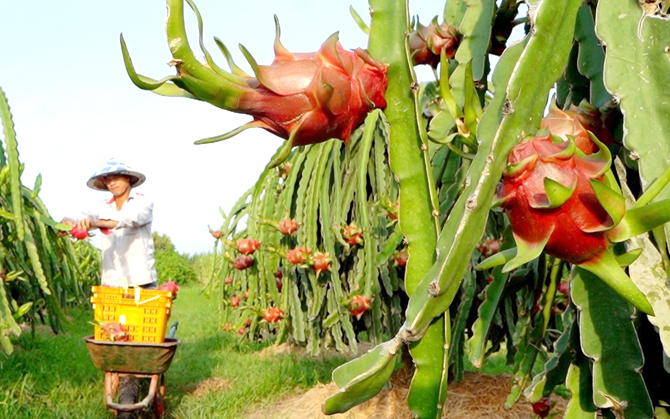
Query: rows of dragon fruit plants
308, 255
463, 127
42, 271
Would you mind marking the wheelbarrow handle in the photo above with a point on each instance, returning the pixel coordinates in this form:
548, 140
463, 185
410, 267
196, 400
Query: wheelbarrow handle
109, 397
173, 330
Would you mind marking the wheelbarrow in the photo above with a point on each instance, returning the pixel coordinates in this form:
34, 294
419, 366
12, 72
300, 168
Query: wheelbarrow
133, 359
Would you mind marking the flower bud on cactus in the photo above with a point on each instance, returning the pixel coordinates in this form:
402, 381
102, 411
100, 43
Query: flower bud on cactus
243, 262
78, 233
298, 256
400, 257
235, 301
241, 331
247, 246
247, 322
287, 226
426, 43
358, 305
284, 169
228, 280
217, 234
320, 262
352, 235
273, 314
246, 294
307, 98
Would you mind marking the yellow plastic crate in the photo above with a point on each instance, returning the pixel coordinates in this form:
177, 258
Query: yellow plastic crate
143, 313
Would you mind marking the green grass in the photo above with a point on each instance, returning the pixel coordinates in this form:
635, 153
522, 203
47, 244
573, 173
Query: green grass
52, 376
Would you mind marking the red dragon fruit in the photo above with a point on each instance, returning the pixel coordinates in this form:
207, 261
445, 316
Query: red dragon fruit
243, 262
400, 257
227, 327
169, 286
569, 205
217, 234
235, 301
542, 408
320, 261
358, 305
298, 255
306, 98
247, 246
78, 233
228, 280
576, 121
114, 331
273, 314
287, 226
489, 247
352, 234
426, 43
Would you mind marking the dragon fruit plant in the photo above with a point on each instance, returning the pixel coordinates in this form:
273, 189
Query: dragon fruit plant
576, 200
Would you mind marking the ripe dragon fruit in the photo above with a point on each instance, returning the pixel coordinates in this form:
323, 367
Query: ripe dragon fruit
542, 408
235, 301
358, 305
400, 257
169, 286
243, 262
426, 43
489, 247
568, 204
320, 261
228, 280
113, 330
576, 121
217, 234
247, 246
306, 98
352, 235
273, 314
287, 226
298, 255
78, 233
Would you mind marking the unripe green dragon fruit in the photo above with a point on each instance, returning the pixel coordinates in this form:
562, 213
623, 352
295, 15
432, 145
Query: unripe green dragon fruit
306, 98
566, 203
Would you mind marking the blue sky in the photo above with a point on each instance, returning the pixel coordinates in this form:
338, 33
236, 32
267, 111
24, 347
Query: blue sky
74, 106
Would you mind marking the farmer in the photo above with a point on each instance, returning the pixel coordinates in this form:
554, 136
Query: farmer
125, 221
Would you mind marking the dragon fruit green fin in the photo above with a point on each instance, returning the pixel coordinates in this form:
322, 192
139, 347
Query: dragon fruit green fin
526, 252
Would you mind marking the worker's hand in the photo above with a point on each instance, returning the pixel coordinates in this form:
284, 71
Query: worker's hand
67, 222
85, 224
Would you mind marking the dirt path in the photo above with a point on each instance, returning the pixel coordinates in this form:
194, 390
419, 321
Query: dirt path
478, 396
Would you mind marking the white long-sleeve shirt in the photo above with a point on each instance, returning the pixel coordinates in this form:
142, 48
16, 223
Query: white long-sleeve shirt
128, 249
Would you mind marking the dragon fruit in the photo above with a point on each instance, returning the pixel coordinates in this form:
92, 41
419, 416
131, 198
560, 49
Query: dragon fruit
273, 314
352, 235
243, 262
228, 280
400, 257
287, 226
320, 261
426, 43
113, 330
235, 301
358, 305
217, 234
78, 233
247, 246
306, 98
489, 247
569, 205
298, 255
576, 121
169, 286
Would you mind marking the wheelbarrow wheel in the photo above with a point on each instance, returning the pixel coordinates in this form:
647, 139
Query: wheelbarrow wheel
159, 400
129, 390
